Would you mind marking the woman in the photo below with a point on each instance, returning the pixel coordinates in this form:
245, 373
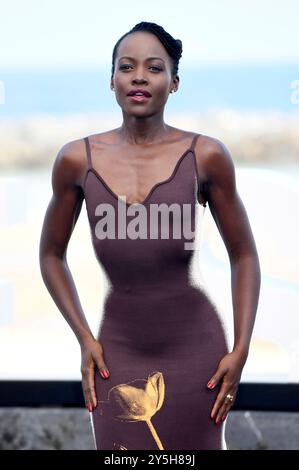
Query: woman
158, 374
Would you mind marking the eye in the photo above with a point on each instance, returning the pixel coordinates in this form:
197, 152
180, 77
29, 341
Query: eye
124, 67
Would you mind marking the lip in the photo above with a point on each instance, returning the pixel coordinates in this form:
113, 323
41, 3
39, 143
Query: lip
138, 98
139, 90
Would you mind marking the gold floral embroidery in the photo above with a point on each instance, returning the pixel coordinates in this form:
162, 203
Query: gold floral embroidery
138, 400
118, 446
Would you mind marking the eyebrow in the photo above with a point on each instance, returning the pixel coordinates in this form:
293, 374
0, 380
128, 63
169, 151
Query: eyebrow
149, 58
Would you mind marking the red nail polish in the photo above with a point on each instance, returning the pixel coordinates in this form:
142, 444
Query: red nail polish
106, 373
102, 373
224, 417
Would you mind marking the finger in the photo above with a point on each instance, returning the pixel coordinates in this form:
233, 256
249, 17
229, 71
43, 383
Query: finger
216, 407
87, 396
222, 412
226, 406
215, 379
219, 401
91, 396
91, 388
101, 365
85, 387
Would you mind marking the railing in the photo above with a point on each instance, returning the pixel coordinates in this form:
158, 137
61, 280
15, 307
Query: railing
68, 393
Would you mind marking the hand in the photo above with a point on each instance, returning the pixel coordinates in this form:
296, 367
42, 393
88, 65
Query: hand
229, 370
92, 355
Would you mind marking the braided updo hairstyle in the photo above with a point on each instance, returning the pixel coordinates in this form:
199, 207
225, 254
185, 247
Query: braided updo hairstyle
172, 46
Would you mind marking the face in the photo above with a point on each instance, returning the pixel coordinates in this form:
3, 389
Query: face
135, 67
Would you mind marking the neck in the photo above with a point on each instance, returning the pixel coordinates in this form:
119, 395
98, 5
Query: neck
143, 130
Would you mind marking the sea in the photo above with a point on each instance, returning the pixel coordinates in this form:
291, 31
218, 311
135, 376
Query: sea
29, 91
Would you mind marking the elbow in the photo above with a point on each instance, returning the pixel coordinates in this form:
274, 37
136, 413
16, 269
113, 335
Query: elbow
48, 257
45, 262
247, 260
242, 253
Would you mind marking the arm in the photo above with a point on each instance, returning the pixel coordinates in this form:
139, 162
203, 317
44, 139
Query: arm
59, 222
232, 221
60, 219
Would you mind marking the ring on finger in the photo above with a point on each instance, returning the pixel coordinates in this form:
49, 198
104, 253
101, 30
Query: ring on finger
229, 397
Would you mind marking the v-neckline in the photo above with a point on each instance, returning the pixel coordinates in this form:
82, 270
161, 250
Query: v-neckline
159, 183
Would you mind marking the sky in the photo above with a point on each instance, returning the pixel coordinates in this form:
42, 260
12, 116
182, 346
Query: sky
47, 33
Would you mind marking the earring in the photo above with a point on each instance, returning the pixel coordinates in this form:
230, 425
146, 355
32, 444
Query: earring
172, 91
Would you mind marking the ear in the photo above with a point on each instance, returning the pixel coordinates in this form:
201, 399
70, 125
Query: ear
111, 84
176, 81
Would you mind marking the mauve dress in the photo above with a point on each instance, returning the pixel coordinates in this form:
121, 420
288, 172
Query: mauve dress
161, 333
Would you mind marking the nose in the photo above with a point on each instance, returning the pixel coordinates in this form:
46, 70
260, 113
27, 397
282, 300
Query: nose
139, 79
139, 76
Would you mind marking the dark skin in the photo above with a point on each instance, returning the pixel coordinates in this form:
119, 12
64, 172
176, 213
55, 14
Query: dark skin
144, 132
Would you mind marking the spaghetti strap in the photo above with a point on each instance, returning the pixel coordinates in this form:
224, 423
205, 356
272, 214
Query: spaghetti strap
194, 142
201, 186
88, 153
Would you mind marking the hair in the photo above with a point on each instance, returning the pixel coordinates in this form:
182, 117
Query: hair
173, 46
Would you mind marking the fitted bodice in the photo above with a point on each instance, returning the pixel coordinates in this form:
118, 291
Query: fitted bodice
150, 243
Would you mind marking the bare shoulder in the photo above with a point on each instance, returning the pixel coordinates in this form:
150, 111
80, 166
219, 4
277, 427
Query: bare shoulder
70, 163
105, 138
71, 160
213, 159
